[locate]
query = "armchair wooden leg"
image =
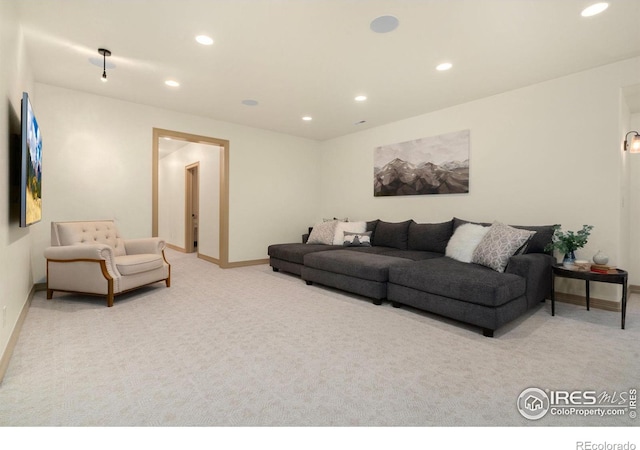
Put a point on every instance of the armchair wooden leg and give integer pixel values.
(168, 282)
(110, 292)
(49, 294)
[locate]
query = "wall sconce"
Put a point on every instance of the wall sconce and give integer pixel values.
(633, 144)
(104, 52)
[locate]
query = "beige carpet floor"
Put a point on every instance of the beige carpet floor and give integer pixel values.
(251, 347)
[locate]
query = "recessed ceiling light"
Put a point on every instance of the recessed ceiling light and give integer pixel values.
(594, 9)
(204, 40)
(307, 118)
(250, 102)
(172, 83)
(444, 66)
(361, 98)
(384, 24)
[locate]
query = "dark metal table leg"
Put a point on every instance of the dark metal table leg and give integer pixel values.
(553, 295)
(587, 295)
(624, 302)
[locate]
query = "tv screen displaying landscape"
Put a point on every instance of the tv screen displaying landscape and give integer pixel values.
(31, 179)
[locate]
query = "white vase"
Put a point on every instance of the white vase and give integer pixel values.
(600, 258)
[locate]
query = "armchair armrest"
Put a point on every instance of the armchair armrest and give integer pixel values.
(144, 245)
(80, 252)
(87, 268)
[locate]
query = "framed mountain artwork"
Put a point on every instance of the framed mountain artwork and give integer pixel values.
(431, 165)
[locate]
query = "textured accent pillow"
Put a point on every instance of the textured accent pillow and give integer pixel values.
(499, 244)
(342, 227)
(394, 235)
(357, 239)
(323, 233)
(464, 241)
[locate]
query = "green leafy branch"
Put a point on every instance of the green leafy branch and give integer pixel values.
(566, 242)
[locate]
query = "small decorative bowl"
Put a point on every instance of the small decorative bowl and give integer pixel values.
(581, 264)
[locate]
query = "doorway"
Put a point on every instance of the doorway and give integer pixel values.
(221, 146)
(192, 206)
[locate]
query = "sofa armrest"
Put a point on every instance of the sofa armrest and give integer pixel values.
(144, 245)
(535, 268)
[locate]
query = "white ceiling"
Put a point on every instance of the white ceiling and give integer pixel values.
(312, 57)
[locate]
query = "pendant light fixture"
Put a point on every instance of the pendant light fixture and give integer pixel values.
(104, 52)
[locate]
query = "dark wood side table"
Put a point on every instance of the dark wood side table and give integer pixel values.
(558, 270)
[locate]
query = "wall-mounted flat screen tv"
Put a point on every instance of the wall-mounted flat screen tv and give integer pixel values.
(31, 166)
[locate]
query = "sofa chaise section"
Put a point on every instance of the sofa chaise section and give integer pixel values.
(466, 292)
(290, 257)
(359, 272)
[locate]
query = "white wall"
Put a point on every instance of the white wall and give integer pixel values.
(171, 197)
(16, 278)
(97, 164)
(549, 153)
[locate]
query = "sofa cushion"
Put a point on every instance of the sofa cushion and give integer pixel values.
(355, 264)
(540, 239)
(372, 250)
(394, 235)
(454, 279)
(430, 237)
(295, 252)
(499, 244)
(371, 226)
(414, 255)
(536, 244)
(464, 241)
(132, 264)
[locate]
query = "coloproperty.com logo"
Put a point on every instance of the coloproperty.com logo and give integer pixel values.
(534, 403)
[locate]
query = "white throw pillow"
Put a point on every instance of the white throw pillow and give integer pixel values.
(351, 227)
(464, 241)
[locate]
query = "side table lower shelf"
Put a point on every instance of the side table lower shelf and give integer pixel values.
(558, 270)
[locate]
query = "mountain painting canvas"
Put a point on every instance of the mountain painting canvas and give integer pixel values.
(432, 165)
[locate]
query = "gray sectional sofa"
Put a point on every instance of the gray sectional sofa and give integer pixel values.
(406, 264)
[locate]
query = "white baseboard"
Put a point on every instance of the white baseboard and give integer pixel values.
(13, 339)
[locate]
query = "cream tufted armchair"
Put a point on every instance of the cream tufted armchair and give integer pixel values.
(92, 258)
